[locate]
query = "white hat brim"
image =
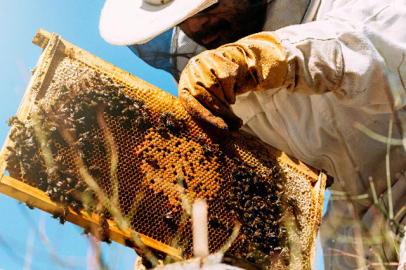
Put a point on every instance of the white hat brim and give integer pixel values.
(127, 22)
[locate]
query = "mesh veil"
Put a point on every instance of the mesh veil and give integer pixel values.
(156, 52)
(172, 50)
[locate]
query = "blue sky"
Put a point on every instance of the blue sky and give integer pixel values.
(30, 238)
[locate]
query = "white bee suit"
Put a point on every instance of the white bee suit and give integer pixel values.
(343, 69)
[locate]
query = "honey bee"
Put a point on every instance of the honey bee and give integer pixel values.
(168, 122)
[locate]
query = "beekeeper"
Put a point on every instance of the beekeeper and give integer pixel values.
(322, 80)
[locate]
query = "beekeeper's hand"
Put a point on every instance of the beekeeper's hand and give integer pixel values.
(212, 79)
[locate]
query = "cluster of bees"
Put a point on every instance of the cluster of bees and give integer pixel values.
(65, 127)
(255, 199)
(69, 128)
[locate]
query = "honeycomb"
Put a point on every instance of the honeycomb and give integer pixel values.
(151, 160)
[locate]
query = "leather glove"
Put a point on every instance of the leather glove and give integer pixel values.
(211, 80)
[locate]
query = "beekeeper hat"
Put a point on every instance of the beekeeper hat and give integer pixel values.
(127, 22)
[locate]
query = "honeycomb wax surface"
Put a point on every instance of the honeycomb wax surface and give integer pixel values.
(144, 151)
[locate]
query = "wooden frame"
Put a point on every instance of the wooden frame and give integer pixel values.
(52, 43)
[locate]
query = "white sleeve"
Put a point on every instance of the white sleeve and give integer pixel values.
(355, 52)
